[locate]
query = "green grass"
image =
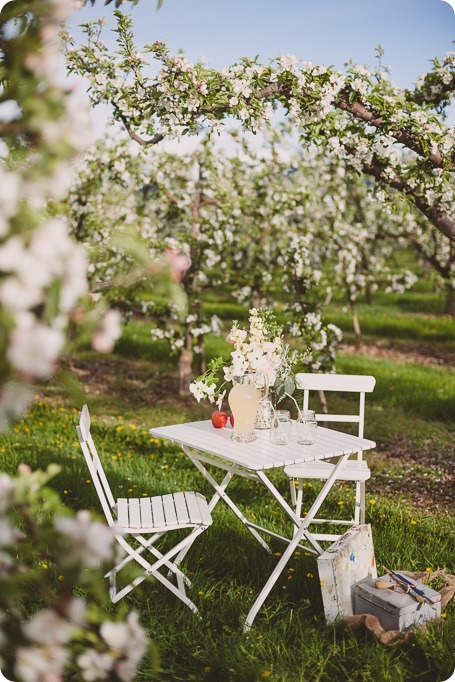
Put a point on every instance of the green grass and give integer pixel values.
(289, 640)
(412, 409)
(416, 315)
(416, 390)
(395, 324)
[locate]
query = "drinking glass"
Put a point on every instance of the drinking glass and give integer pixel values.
(278, 432)
(307, 427)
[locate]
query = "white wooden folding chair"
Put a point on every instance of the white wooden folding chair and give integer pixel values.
(355, 470)
(137, 517)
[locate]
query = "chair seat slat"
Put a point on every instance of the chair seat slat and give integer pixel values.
(146, 512)
(122, 512)
(158, 512)
(181, 508)
(204, 509)
(193, 508)
(170, 514)
(134, 513)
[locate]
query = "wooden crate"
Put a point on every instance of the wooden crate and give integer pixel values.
(350, 559)
(394, 610)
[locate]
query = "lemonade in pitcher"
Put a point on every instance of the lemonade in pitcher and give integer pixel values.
(243, 400)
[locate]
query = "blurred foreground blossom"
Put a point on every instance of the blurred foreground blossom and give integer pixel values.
(14, 398)
(178, 264)
(90, 542)
(110, 330)
(67, 634)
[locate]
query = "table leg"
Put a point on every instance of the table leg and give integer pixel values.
(220, 493)
(290, 512)
(302, 531)
(273, 578)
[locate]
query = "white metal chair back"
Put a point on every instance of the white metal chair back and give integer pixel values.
(95, 467)
(343, 383)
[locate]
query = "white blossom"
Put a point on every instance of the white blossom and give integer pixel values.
(95, 665)
(40, 663)
(111, 329)
(35, 348)
(91, 542)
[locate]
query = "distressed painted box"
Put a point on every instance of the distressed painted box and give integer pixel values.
(348, 560)
(394, 610)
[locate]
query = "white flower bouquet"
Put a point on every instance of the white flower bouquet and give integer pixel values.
(260, 348)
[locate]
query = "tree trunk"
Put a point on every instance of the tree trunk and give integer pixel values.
(323, 401)
(256, 299)
(368, 297)
(328, 298)
(356, 324)
(449, 308)
(185, 366)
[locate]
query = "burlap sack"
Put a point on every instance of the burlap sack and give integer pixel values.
(372, 624)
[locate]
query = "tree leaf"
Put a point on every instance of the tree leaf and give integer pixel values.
(289, 385)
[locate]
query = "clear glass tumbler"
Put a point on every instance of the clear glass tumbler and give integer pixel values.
(285, 420)
(281, 427)
(307, 427)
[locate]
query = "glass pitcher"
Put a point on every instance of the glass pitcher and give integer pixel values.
(243, 400)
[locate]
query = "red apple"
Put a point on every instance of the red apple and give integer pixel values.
(231, 419)
(219, 419)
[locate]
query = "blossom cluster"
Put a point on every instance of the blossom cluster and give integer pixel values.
(42, 271)
(320, 339)
(358, 115)
(260, 349)
(67, 633)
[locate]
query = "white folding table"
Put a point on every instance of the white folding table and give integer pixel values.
(204, 444)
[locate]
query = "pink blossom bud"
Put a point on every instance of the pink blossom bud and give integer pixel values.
(178, 264)
(24, 469)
